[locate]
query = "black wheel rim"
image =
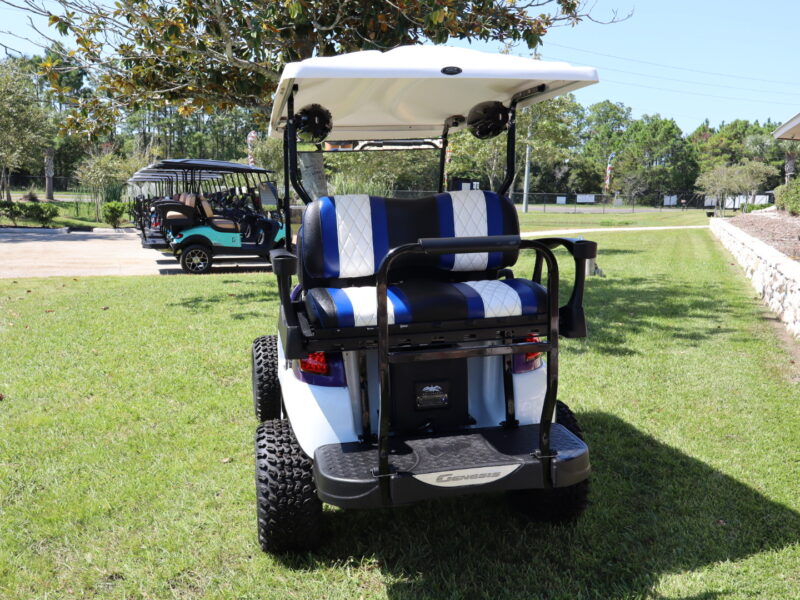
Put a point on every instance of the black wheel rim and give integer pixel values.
(196, 260)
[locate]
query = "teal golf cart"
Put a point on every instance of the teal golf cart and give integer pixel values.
(202, 209)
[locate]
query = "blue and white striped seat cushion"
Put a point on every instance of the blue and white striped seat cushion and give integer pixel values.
(348, 236)
(426, 301)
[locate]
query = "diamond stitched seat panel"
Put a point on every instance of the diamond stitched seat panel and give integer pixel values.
(347, 237)
(426, 301)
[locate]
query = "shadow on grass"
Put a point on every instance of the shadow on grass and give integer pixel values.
(222, 265)
(617, 308)
(239, 269)
(234, 299)
(601, 252)
(655, 511)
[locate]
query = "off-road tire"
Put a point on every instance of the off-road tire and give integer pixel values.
(557, 505)
(289, 510)
(267, 396)
(192, 253)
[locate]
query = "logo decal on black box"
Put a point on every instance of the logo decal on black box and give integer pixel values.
(432, 394)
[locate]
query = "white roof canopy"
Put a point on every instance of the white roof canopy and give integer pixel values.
(789, 130)
(403, 93)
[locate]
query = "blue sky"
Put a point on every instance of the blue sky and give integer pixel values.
(749, 46)
(689, 60)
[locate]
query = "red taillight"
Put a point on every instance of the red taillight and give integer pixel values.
(178, 236)
(316, 363)
(532, 339)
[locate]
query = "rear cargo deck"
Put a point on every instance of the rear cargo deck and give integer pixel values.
(476, 460)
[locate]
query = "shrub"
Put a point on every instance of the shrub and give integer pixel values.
(113, 212)
(43, 213)
(748, 208)
(787, 197)
(12, 210)
(355, 183)
(31, 196)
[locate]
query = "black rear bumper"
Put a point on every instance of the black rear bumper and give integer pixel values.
(466, 462)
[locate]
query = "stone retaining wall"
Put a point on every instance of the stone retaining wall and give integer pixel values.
(773, 274)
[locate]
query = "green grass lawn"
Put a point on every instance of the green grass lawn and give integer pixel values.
(126, 466)
(536, 221)
(70, 214)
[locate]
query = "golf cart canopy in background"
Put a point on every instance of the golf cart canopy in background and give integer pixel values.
(209, 169)
(191, 171)
(151, 175)
(789, 130)
(206, 165)
(411, 91)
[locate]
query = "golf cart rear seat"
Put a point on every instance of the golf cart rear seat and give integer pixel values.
(178, 215)
(215, 222)
(344, 239)
(175, 212)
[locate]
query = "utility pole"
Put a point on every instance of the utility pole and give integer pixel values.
(527, 169)
(527, 177)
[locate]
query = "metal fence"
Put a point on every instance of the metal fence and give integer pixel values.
(576, 203)
(24, 183)
(65, 189)
(571, 202)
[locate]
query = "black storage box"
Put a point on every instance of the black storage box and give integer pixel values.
(429, 395)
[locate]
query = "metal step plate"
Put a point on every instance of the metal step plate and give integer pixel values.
(463, 462)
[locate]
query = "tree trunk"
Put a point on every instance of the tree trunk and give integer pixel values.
(789, 165)
(6, 186)
(312, 169)
(49, 171)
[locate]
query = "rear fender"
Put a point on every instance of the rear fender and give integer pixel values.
(191, 241)
(319, 415)
(213, 237)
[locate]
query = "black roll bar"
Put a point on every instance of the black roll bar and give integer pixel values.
(436, 246)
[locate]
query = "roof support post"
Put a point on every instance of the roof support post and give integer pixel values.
(511, 157)
(291, 139)
(443, 155)
(287, 204)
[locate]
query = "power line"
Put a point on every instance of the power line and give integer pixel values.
(655, 64)
(718, 85)
(651, 87)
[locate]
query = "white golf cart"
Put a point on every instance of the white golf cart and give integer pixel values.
(409, 361)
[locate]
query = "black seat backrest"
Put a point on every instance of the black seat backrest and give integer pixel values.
(343, 239)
